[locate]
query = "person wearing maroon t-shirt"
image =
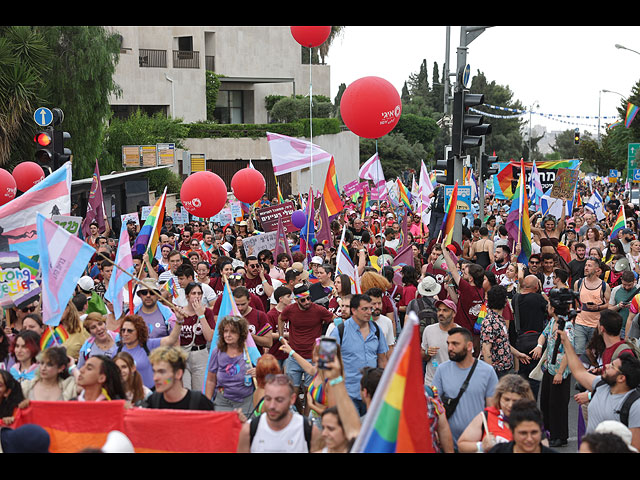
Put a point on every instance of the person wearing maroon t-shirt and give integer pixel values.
(282, 296)
(470, 295)
(306, 320)
(257, 281)
(439, 274)
(259, 326)
(499, 267)
(237, 280)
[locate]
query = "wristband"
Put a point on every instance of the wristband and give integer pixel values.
(336, 381)
(589, 395)
(200, 317)
(539, 345)
(291, 353)
(265, 281)
(479, 447)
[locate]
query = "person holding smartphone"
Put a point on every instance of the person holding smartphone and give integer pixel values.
(595, 295)
(620, 300)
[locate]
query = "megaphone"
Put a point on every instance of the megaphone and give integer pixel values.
(622, 265)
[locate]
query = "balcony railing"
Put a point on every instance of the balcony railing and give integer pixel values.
(152, 58)
(186, 59)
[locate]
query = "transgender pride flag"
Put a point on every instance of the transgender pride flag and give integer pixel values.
(63, 260)
(52, 196)
(119, 279)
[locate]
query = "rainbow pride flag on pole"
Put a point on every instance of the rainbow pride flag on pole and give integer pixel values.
(397, 420)
(619, 224)
(632, 110)
(149, 235)
(332, 191)
(450, 218)
(518, 224)
(366, 206)
(404, 195)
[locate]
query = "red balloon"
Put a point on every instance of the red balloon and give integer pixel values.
(27, 174)
(203, 194)
(248, 185)
(370, 107)
(7, 187)
(310, 36)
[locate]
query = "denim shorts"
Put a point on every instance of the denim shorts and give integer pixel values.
(296, 373)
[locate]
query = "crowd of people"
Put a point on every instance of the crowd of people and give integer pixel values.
(504, 339)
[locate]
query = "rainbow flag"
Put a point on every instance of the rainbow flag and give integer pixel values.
(619, 224)
(332, 191)
(449, 218)
(366, 206)
(397, 420)
(171, 287)
(504, 181)
(149, 235)
(53, 337)
(280, 197)
(631, 113)
(518, 224)
(404, 195)
(477, 327)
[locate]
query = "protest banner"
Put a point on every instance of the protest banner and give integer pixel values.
(70, 224)
(266, 241)
(565, 183)
(18, 284)
(268, 217)
(125, 217)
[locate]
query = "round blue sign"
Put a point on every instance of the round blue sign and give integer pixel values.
(43, 116)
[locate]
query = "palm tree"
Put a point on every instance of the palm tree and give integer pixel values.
(324, 48)
(24, 59)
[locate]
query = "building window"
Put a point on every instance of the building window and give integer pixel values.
(229, 107)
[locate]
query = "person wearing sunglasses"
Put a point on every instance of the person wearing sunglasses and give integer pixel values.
(18, 314)
(236, 280)
(159, 318)
(258, 281)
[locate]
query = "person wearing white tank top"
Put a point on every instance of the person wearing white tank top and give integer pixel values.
(280, 429)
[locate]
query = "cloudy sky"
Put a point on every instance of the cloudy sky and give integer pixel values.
(562, 69)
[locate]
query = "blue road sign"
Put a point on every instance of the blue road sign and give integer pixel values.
(636, 175)
(464, 197)
(613, 173)
(43, 116)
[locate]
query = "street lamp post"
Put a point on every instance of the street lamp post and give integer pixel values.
(599, 97)
(534, 105)
(622, 47)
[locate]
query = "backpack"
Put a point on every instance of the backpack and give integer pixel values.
(306, 422)
(426, 311)
(602, 291)
(626, 405)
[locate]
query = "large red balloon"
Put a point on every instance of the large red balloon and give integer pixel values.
(27, 174)
(7, 187)
(370, 107)
(310, 36)
(248, 185)
(203, 194)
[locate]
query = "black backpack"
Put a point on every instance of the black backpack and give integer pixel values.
(626, 405)
(307, 424)
(426, 311)
(375, 326)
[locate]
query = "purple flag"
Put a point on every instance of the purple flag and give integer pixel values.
(404, 257)
(282, 245)
(323, 231)
(95, 207)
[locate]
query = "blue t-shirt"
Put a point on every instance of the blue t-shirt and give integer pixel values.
(449, 378)
(358, 353)
(143, 365)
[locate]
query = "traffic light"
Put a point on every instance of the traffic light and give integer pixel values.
(447, 167)
(468, 129)
(45, 153)
(487, 167)
(61, 153)
(576, 136)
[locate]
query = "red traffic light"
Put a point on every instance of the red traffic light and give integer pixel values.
(43, 139)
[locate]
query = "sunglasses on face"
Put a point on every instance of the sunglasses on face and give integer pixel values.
(127, 330)
(28, 309)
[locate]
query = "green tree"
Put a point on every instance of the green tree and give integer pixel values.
(80, 83)
(565, 145)
(24, 66)
(396, 153)
(419, 82)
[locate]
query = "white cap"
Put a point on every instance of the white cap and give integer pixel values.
(117, 442)
(317, 260)
(86, 283)
(617, 428)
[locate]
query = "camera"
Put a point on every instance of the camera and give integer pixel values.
(562, 299)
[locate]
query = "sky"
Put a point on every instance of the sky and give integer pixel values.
(562, 69)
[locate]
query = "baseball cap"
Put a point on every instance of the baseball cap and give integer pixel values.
(448, 303)
(299, 267)
(86, 283)
(317, 260)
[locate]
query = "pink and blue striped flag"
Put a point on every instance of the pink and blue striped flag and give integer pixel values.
(63, 260)
(119, 279)
(52, 196)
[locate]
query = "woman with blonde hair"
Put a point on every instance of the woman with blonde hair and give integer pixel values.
(77, 334)
(101, 341)
(491, 425)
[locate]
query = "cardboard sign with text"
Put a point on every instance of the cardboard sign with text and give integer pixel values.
(269, 216)
(565, 183)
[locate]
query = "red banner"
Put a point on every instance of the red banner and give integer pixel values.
(74, 426)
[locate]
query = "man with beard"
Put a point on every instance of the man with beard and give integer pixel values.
(382, 321)
(501, 263)
(462, 368)
(306, 320)
(614, 394)
(434, 338)
(576, 266)
(534, 265)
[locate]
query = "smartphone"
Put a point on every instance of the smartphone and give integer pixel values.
(327, 351)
